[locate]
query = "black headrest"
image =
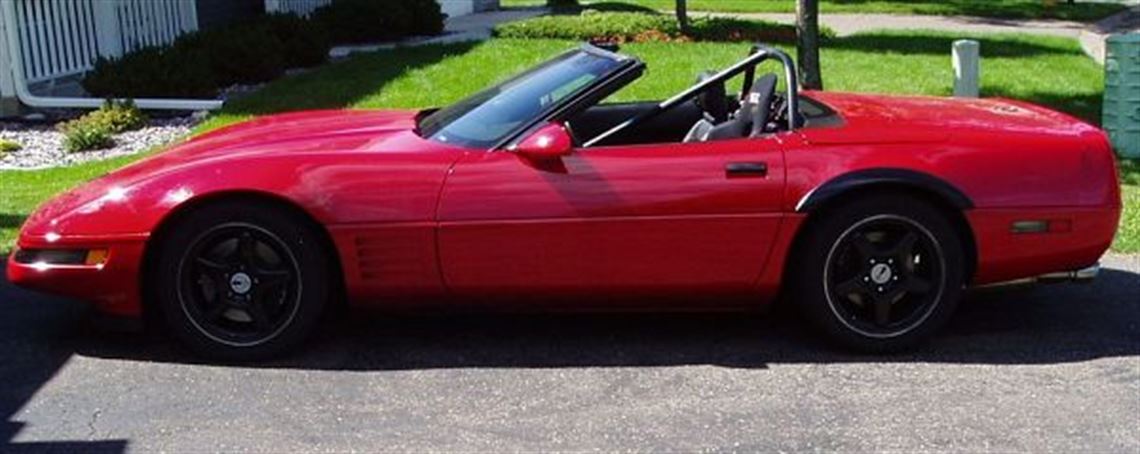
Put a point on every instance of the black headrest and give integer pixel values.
(713, 99)
(759, 102)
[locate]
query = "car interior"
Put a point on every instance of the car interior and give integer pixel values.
(711, 115)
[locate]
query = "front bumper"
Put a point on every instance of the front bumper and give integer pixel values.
(113, 285)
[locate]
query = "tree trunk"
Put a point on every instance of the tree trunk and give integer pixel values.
(807, 48)
(683, 16)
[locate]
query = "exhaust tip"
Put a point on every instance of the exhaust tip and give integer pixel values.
(1083, 275)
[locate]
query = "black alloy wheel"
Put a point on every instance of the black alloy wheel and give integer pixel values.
(879, 273)
(242, 279)
(884, 276)
(238, 284)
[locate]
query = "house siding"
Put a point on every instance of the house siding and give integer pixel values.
(214, 13)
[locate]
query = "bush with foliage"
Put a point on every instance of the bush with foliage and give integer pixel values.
(8, 146)
(118, 116)
(94, 130)
(173, 72)
(638, 27)
(362, 21)
(247, 54)
(81, 135)
(196, 65)
(304, 42)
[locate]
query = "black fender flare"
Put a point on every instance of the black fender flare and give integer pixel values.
(861, 179)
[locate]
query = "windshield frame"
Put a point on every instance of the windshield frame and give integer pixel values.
(619, 76)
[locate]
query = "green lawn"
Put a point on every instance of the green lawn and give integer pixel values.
(1051, 71)
(1010, 9)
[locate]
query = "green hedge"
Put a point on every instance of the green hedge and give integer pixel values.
(197, 65)
(640, 27)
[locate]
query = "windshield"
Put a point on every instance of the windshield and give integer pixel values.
(488, 117)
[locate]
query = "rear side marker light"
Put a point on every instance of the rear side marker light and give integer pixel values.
(1042, 226)
(1030, 227)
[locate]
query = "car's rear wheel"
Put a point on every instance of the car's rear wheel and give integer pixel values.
(237, 281)
(880, 273)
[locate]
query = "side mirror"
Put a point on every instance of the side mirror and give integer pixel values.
(551, 141)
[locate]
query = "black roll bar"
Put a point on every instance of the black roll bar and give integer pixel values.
(757, 55)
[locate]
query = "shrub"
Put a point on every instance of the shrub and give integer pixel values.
(240, 54)
(305, 43)
(153, 73)
(118, 116)
(80, 135)
(562, 3)
(593, 25)
(8, 146)
(589, 25)
(93, 130)
(426, 16)
(362, 21)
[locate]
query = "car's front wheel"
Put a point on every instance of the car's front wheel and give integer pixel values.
(242, 281)
(881, 273)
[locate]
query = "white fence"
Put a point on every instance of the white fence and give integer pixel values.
(300, 7)
(58, 38)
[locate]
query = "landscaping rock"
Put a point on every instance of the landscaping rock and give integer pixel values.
(43, 145)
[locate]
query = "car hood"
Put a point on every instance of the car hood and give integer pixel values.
(323, 131)
(933, 117)
(302, 132)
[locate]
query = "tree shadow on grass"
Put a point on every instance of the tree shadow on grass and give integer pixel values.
(11, 221)
(919, 42)
(1025, 9)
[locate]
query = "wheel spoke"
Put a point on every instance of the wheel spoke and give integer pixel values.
(271, 278)
(904, 250)
(853, 285)
(247, 249)
(882, 309)
(864, 247)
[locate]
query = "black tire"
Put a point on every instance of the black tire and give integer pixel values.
(880, 273)
(240, 280)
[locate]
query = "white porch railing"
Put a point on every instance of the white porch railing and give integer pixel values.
(59, 38)
(56, 38)
(49, 39)
(299, 7)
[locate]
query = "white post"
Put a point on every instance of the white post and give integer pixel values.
(107, 31)
(9, 105)
(967, 68)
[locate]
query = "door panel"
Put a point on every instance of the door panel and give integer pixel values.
(623, 219)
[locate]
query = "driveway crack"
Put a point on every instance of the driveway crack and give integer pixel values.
(91, 431)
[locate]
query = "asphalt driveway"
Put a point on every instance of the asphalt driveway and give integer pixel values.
(1051, 369)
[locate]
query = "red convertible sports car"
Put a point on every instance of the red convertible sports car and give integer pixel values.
(870, 213)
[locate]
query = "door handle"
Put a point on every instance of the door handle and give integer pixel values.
(746, 169)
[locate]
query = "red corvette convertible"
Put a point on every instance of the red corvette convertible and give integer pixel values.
(870, 213)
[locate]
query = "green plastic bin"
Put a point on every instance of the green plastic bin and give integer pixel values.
(1121, 116)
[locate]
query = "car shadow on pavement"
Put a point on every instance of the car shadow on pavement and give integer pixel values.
(1043, 325)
